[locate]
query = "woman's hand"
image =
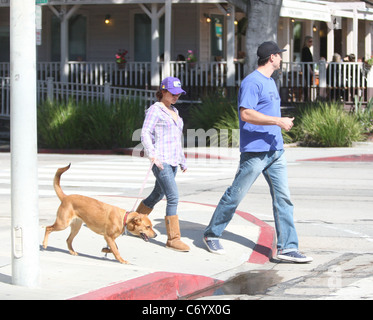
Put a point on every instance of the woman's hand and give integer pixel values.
(157, 163)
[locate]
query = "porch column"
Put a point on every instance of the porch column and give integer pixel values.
(64, 15)
(154, 15)
(230, 47)
(64, 47)
(330, 43)
(155, 46)
(167, 40)
(352, 34)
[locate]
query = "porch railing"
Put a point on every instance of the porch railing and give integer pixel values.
(297, 81)
(4, 97)
(132, 74)
(300, 82)
(78, 92)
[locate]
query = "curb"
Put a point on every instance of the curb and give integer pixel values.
(154, 286)
(127, 152)
(265, 247)
(123, 151)
(173, 286)
(347, 158)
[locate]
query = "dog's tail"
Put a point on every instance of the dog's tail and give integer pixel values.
(56, 182)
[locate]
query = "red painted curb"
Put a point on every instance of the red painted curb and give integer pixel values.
(347, 158)
(265, 247)
(154, 286)
(172, 286)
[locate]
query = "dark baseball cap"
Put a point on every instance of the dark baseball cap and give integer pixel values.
(267, 48)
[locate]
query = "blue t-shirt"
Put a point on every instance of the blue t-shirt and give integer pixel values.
(259, 93)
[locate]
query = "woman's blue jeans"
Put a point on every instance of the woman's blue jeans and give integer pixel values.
(274, 168)
(165, 185)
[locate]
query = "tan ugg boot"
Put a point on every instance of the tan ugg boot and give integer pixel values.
(142, 208)
(173, 233)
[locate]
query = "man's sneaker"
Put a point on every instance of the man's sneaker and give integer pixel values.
(214, 246)
(294, 256)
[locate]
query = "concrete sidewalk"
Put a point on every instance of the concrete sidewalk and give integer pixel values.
(154, 272)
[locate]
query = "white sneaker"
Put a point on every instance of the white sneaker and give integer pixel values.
(294, 256)
(214, 246)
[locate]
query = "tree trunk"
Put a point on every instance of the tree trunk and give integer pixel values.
(262, 20)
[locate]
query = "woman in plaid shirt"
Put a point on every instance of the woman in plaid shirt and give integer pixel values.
(161, 137)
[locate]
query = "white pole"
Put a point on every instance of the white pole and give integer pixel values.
(24, 179)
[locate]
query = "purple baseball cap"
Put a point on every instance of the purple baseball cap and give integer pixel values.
(172, 85)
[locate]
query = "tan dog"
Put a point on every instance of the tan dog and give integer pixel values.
(107, 220)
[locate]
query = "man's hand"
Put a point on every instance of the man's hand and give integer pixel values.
(255, 117)
(286, 123)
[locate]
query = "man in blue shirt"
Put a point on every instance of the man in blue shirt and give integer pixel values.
(261, 146)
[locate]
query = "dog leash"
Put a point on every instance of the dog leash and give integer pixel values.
(137, 199)
(143, 185)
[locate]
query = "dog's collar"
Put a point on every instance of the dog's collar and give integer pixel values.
(125, 218)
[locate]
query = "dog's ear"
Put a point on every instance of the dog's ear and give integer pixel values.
(133, 222)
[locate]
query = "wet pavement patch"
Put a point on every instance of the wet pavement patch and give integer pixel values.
(249, 283)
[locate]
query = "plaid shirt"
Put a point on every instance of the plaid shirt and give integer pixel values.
(161, 136)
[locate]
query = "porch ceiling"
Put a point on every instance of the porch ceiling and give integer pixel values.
(74, 2)
(301, 9)
(308, 10)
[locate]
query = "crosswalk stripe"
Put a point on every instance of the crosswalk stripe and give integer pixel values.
(110, 176)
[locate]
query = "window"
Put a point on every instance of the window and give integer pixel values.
(217, 32)
(143, 37)
(4, 44)
(77, 38)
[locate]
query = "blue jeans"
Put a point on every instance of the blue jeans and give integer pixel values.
(273, 166)
(165, 185)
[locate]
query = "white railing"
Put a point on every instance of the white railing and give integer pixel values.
(204, 74)
(328, 81)
(132, 74)
(5, 97)
(301, 81)
(64, 91)
(67, 91)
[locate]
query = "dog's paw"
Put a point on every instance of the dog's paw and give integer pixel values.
(123, 261)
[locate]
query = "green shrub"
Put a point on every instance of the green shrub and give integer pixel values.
(364, 115)
(229, 120)
(210, 111)
(328, 125)
(88, 125)
(59, 125)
